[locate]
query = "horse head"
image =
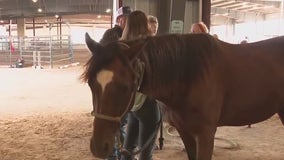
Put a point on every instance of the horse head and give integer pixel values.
(112, 76)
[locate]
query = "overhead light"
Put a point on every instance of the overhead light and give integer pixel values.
(1, 21)
(99, 16)
(56, 16)
(34, 1)
(108, 10)
(39, 10)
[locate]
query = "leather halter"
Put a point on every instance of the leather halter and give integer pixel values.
(115, 118)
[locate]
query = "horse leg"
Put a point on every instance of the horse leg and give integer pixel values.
(281, 115)
(199, 147)
(189, 144)
(205, 143)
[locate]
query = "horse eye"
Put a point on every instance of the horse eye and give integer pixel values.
(89, 83)
(92, 85)
(95, 105)
(96, 97)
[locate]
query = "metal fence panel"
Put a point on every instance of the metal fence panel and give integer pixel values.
(36, 51)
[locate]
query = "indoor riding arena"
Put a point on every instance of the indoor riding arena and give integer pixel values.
(45, 108)
(45, 114)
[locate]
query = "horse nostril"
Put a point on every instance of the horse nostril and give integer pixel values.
(101, 149)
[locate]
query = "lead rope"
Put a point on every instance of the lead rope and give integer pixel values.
(161, 139)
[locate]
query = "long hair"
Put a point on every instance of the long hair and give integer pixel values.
(136, 26)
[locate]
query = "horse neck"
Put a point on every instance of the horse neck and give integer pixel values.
(150, 84)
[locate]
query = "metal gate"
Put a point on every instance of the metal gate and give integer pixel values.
(36, 51)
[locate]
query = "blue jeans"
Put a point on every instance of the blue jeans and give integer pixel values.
(142, 125)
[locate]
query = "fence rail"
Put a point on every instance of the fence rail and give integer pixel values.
(36, 51)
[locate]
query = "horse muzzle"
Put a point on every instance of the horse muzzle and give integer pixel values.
(102, 148)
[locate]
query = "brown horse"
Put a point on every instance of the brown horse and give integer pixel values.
(204, 82)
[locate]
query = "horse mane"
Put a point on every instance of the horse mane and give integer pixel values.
(169, 59)
(177, 58)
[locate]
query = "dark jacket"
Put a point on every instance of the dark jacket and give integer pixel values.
(111, 35)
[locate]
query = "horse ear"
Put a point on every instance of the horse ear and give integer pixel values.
(93, 46)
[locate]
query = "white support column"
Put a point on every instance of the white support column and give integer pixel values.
(114, 8)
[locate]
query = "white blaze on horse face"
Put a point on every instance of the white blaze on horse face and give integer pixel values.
(104, 77)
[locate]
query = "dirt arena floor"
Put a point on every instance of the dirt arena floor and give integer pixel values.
(45, 115)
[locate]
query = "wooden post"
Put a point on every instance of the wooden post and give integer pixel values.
(206, 11)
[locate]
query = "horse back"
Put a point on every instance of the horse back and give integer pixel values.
(253, 81)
